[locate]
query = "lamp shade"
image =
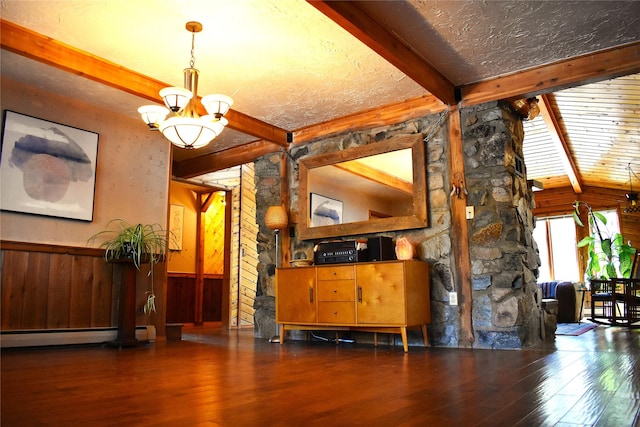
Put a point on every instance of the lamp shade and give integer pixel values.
(153, 115)
(217, 105)
(187, 132)
(276, 217)
(176, 98)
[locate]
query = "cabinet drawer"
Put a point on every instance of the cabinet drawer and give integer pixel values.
(336, 273)
(336, 290)
(336, 312)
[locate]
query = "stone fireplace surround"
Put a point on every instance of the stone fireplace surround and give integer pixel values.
(506, 306)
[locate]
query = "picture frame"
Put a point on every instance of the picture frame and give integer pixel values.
(176, 226)
(47, 168)
(324, 210)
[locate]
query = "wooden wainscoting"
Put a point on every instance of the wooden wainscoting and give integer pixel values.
(181, 298)
(48, 287)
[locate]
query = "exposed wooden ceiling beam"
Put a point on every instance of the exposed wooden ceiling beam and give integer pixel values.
(607, 64)
(350, 16)
(557, 137)
(223, 159)
(375, 175)
(389, 114)
(30, 44)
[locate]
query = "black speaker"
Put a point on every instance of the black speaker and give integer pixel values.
(380, 249)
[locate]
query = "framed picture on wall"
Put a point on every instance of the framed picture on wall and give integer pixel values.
(325, 210)
(176, 226)
(47, 168)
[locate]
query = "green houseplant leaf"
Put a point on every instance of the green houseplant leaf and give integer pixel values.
(140, 243)
(609, 256)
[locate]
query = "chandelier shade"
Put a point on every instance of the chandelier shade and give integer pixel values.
(185, 128)
(632, 205)
(153, 115)
(217, 105)
(191, 133)
(175, 98)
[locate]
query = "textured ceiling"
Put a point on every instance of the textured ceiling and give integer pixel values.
(287, 64)
(277, 59)
(470, 41)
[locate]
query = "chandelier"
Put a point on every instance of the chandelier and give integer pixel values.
(633, 205)
(185, 128)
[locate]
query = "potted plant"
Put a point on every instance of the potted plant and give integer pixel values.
(609, 255)
(139, 243)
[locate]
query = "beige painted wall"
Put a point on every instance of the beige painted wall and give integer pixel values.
(132, 177)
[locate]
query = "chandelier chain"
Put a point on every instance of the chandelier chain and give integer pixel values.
(434, 128)
(631, 172)
(192, 63)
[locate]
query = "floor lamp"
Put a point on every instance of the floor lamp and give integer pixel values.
(276, 219)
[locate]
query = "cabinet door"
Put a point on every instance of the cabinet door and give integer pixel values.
(380, 294)
(296, 295)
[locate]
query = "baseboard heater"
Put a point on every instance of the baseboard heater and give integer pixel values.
(48, 337)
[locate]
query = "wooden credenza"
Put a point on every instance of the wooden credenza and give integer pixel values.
(385, 296)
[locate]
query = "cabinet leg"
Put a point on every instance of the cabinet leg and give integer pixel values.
(283, 333)
(375, 339)
(403, 332)
(425, 337)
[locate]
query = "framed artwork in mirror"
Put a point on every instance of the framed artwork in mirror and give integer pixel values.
(47, 168)
(324, 211)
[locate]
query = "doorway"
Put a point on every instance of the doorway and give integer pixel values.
(212, 277)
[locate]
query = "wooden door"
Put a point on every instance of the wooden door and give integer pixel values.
(296, 295)
(380, 293)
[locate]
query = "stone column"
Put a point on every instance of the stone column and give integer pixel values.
(504, 256)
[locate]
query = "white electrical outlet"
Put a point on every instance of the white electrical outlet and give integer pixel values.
(470, 212)
(453, 298)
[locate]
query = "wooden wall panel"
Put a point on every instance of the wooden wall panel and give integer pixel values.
(34, 311)
(80, 287)
(53, 287)
(102, 313)
(59, 291)
(15, 266)
(248, 263)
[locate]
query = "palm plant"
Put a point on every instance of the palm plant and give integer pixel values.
(609, 255)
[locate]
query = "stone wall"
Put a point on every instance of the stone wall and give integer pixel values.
(506, 313)
(504, 257)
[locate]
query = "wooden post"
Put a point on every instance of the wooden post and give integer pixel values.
(200, 245)
(285, 239)
(462, 274)
(226, 280)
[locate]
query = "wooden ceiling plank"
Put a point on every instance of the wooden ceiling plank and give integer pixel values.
(557, 137)
(38, 47)
(607, 64)
(350, 16)
(224, 159)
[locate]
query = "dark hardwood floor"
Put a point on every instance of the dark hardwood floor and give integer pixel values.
(220, 378)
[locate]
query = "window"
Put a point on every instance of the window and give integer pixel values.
(557, 245)
(556, 239)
